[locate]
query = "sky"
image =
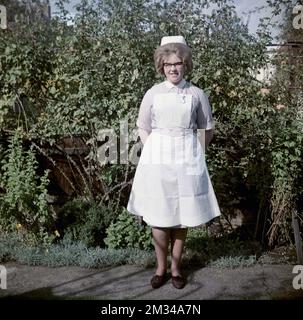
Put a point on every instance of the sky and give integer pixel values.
(243, 7)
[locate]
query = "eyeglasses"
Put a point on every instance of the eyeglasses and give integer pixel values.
(170, 65)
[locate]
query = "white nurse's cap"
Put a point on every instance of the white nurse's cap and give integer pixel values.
(172, 39)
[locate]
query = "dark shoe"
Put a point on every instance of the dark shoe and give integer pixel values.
(157, 281)
(178, 282)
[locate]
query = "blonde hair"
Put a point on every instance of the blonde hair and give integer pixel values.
(181, 50)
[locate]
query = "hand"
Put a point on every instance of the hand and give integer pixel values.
(140, 221)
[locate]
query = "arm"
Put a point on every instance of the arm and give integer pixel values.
(209, 134)
(144, 117)
(205, 123)
(143, 134)
(205, 136)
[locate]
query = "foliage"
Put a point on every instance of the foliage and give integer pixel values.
(126, 233)
(66, 79)
(66, 253)
(233, 262)
(203, 248)
(23, 205)
(85, 221)
(286, 152)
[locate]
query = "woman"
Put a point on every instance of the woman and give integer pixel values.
(171, 189)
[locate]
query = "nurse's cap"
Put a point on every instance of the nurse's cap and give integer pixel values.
(173, 39)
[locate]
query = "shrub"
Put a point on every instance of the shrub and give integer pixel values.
(226, 250)
(86, 221)
(23, 204)
(126, 233)
(234, 262)
(57, 79)
(66, 253)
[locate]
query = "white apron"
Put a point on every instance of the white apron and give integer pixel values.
(171, 186)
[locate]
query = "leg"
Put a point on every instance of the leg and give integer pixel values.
(161, 240)
(178, 237)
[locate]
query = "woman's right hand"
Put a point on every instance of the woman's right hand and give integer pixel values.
(143, 135)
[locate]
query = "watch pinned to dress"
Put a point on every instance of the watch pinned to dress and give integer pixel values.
(183, 97)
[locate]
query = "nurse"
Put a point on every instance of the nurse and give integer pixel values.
(172, 189)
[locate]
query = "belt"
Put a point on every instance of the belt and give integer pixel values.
(174, 131)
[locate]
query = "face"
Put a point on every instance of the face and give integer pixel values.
(173, 68)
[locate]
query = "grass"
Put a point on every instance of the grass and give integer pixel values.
(70, 254)
(224, 251)
(201, 249)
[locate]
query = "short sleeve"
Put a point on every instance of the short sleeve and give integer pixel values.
(144, 118)
(204, 113)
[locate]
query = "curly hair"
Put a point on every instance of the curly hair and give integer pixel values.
(181, 50)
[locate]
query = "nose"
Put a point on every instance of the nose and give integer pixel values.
(173, 69)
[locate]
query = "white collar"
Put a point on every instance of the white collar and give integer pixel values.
(180, 85)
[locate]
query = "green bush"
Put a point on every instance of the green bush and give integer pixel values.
(74, 80)
(86, 221)
(234, 262)
(66, 253)
(227, 250)
(23, 204)
(126, 233)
